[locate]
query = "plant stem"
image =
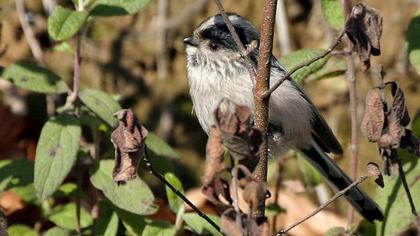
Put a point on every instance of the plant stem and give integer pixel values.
(72, 98)
(262, 103)
(351, 80)
(407, 191)
(156, 173)
(323, 206)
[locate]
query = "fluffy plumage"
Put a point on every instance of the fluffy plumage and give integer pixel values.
(216, 72)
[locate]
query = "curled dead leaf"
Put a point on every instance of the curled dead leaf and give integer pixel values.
(374, 117)
(364, 29)
(399, 106)
(254, 193)
(237, 224)
(392, 133)
(128, 139)
(374, 171)
(214, 156)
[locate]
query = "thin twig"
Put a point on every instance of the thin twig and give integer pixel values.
(157, 174)
(407, 191)
(304, 64)
(262, 103)
(29, 34)
(72, 98)
(351, 79)
(241, 47)
(323, 206)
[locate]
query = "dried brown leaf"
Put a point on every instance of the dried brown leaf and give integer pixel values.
(237, 224)
(392, 134)
(214, 156)
(399, 106)
(374, 117)
(364, 29)
(254, 193)
(374, 171)
(128, 139)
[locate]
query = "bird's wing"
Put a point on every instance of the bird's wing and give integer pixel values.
(321, 132)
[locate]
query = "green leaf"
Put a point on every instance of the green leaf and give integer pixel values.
(117, 7)
(27, 193)
(65, 216)
(333, 13)
(311, 175)
(175, 202)
(66, 190)
(159, 228)
(56, 153)
(295, 58)
(63, 47)
(57, 231)
(134, 196)
(101, 104)
(15, 173)
(160, 147)
(199, 225)
(413, 42)
(394, 202)
(64, 23)
(134, 224)
(21, 230)
(107, 224)
(34, 78)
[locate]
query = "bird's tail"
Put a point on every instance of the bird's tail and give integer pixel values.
(336, 176)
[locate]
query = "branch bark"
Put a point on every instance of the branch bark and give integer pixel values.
(351, 80)
(262, 102)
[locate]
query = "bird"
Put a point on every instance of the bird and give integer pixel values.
(216, 72)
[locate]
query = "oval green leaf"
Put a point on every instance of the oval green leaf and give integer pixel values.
(295, 58)
(107, 224)
(160, 147)
(34, 78)
(159, 228)
(333, 13)
(175, 202)
(134, 196)
(102, 104)
(413, 42)
(64, 23)
(65, 216)
(117, 7)
(56, 153)
(21, 230)
(199, 225)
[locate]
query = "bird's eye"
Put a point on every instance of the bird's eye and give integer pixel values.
(213, 46)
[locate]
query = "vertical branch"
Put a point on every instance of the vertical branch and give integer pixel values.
(262, 85)
(351, 80)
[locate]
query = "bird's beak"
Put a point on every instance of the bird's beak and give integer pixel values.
(190, 41)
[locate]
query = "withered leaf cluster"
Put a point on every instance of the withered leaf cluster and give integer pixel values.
(233, 147)
(364, 29)
(128, 139)
(387, 126)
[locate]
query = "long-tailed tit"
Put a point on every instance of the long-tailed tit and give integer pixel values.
(216, 72)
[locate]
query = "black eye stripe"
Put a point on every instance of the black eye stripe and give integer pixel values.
(220, 33)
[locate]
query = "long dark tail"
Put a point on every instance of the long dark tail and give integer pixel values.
(336, 176)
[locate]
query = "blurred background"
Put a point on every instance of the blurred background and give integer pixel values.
(141, 60)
